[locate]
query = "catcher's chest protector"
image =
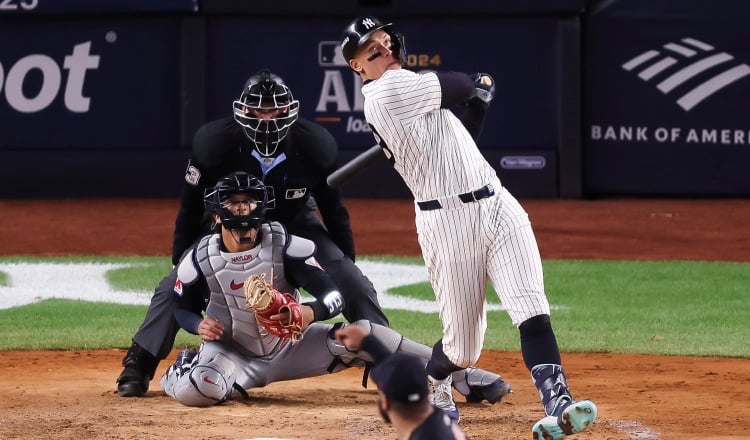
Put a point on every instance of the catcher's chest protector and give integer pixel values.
(225, 274)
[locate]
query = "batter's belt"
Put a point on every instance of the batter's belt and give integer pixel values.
(469, 197)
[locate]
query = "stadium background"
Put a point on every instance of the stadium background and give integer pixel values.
(113, 90)
(85, 138)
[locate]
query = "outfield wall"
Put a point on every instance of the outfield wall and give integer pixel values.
(101, 97)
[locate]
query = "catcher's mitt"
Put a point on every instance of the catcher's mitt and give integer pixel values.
(265, 301)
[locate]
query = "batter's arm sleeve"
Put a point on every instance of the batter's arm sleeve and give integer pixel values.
(473, 117)
(311, 277)
(455, 87)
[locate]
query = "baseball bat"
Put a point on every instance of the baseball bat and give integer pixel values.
(354, 166)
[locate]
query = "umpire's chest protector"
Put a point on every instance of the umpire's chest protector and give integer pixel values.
(225, 274)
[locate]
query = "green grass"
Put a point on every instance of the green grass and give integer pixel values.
(672, 307)
(61, 324)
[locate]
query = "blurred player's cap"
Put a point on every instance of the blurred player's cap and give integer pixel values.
(402, 378)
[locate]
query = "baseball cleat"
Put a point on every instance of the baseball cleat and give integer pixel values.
(574, 418)
(442, 396)
(130, 386)
(184, 360)
(139, 369)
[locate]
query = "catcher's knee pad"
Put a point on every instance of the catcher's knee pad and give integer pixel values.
(208, 383)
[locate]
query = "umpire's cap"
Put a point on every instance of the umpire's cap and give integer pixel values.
(358, 32)
(402, 378)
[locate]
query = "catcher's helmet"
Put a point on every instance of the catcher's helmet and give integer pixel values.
(361, 29)
(239, 182)
(266, 91)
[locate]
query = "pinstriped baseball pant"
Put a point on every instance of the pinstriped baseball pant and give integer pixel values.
(464, 245)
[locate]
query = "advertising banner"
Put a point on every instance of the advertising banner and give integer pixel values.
(90, 84)
(90, 107)
(393, 8)
(94, 6)
(522, 54)
(666, 91)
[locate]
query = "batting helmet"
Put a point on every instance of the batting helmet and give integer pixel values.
(216, 198)
(264, 92)
(361, 29)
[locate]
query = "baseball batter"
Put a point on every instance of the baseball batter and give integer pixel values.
(237, 352)
(470, 227)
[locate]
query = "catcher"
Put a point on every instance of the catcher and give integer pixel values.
(255, 330)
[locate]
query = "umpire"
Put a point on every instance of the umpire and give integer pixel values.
(265, 137)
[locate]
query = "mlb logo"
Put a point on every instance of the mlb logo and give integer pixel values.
(295, 193)
(329, 54)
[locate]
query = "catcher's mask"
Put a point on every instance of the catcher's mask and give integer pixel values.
(266, 110)
(361, 29)
(217, 200)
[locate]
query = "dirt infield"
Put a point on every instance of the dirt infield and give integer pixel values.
(71, 395)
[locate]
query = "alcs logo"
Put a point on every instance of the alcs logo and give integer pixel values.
(77, 63)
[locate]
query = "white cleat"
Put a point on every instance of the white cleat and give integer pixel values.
(442, 396)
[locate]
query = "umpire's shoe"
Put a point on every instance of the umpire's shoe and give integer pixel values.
(140, 367)
(570, 418)
(478, 385)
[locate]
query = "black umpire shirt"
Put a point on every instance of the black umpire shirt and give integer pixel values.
(310, 154)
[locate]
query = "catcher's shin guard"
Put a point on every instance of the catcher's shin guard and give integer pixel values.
(140, 367)
(207, 383)
(478, 385)
(473, 383)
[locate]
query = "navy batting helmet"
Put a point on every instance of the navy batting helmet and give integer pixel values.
(361, 29)
(216, 200)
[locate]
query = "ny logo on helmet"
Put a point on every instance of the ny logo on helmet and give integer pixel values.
(368, 23)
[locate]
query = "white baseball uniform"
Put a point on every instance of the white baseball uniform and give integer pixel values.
(470, 228)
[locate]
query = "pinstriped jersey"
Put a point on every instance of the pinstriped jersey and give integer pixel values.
(428, 145)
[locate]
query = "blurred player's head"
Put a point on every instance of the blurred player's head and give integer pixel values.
(239, 202)
(371, 47)
(402, 386)
(266, 110)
